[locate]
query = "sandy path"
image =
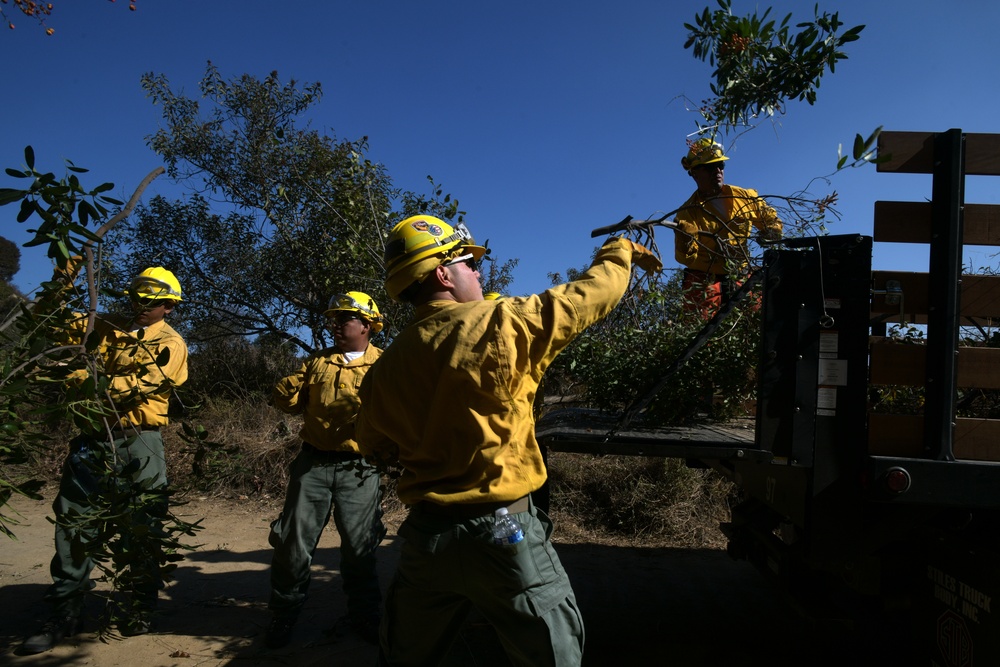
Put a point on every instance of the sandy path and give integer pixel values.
(642, 606)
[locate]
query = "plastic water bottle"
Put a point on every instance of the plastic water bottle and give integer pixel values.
(506, 529)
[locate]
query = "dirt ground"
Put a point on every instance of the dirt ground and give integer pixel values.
(641, 606)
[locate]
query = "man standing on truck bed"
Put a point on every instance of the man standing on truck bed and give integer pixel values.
(330, 473)
(450, 401)
(713, 226)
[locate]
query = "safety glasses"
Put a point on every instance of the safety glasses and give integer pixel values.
(464, 259)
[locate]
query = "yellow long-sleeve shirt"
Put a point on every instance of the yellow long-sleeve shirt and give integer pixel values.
(325, 391)
(728, 218)
(139, 365)
(451, 398)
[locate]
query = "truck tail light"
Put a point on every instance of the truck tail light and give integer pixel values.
(897, 480)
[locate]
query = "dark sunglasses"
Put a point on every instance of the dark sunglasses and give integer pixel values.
(343, 317)
(464, 259)
(148, 303)
(721, 166)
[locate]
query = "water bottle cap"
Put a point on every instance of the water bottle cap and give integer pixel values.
(502, 511)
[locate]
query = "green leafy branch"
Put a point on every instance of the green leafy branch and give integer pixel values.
(760, 64)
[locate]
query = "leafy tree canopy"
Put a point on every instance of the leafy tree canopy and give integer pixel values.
(279, 217)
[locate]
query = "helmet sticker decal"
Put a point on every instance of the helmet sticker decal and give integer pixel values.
(435, 230)
(419, 225)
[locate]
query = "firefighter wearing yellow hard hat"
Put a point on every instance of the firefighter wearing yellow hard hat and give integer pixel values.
(450, 402)
(418, 245)
(143, 360)
(356, 302)
(328, 474)
(713, 227)
(156, 283)
(703, 151)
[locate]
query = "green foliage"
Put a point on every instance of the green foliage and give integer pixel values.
(862, 152)
(65, 207)
(621, 358)
(760, 64)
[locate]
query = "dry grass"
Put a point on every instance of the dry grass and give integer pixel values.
(638, 500)
(602, 499)
(249, 447)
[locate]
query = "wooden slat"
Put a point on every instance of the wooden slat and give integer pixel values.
(910, 222)
(980, 295)
(897, 363)
(903, 364)
(902, 435)
(895, 435)
(914, 287)
(913, 153)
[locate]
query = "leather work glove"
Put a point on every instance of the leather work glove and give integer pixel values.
(644, 258)
(686, 227)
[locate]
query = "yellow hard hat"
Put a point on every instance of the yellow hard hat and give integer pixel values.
(418, 245)
(703, 151)
(155, 283)
(492, 296)
(360, 303)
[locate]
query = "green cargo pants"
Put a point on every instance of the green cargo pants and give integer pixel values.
(319, 481)
(448, 566)
(142, 452)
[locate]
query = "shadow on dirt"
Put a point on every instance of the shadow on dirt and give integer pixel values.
(641, 606)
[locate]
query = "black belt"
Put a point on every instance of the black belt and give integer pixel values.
(330, 455)
(472, 510)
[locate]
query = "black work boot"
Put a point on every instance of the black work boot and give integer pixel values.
(366, 626)
(54, 631)
(280, 631)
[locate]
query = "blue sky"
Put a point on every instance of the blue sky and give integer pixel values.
(546, 120)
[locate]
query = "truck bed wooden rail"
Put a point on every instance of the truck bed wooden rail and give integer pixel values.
(903, 296)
